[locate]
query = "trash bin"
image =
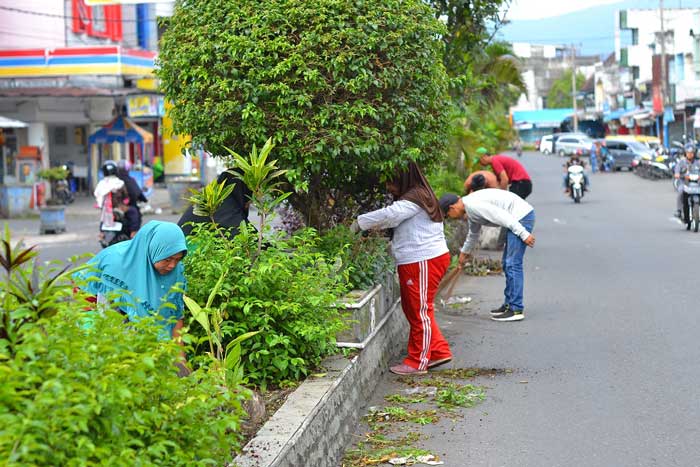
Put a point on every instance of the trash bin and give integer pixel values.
(178, 189)
(52, 219)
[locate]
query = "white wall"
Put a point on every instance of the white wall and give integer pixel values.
(27, 31)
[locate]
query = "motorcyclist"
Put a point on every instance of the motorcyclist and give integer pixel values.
(575, 159)
(132, 188)
(681, 171)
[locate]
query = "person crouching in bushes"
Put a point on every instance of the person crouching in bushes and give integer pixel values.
(139, 276)
(422, 257)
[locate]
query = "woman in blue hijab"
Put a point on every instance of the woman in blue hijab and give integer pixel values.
(138, 275)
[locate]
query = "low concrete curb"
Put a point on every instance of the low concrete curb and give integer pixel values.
(313, 426)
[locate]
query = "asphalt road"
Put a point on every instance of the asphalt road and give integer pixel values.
(604, 369)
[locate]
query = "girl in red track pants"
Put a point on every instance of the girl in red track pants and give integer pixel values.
(419, 283)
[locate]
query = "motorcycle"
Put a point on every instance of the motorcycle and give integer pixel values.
(63, 193)
(576, 182)
(113, 226)
(692, 188)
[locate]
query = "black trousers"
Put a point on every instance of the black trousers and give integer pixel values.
(686, 208)
(522, 188)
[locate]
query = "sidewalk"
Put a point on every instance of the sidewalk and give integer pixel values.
(82, 220)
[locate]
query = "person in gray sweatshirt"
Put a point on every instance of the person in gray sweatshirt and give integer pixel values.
(500, 208)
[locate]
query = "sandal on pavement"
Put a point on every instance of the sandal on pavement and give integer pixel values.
(405, 370)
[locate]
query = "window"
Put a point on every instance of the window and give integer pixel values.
(635, 72)
(635, 36)
(567, 140)
(99, 22)
(60, 136)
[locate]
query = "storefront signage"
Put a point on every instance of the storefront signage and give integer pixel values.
(145, 106)
(118, 2)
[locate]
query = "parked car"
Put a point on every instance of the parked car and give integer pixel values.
(570, 144)
(548, 142)
(625, 152)
(652, 142)
(545, 146)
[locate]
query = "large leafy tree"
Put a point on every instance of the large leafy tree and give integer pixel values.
(471, 25)
(348, 90)
(485, 74)
(559, 95)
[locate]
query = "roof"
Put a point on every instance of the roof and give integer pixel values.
(10, 123)
(541, 118)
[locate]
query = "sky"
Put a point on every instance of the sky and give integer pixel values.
(536, 9)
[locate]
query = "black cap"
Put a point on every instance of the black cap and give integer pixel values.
(447, 200)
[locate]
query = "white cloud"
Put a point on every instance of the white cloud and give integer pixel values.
(538, 9)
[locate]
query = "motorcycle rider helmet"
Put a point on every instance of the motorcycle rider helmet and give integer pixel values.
(109, 168)
(690, 148)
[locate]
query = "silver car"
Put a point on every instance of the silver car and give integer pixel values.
(571, 144)
(624, 152)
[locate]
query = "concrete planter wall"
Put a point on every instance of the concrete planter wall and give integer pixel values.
(15, 200)
(365, 309)
(314, 426)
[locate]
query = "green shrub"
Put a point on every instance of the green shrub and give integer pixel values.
(443, 180)
(347, 90)
(366, 259)
(109, 396)
(82, 388)
(288, 293)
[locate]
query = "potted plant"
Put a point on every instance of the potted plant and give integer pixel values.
(52, 216)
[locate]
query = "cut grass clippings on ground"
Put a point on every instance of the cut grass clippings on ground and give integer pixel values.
(425, 401)
(483, 267)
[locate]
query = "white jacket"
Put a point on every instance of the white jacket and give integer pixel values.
(416, 236)
(494, 207)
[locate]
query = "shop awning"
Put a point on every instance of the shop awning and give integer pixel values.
(121, 130)
(637, 114)
(614, 114)
(10, 123)
(545, 118)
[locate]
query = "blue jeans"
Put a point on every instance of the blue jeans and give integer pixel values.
(513, 264)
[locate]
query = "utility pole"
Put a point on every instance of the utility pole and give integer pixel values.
(664, 90)
(573, 86)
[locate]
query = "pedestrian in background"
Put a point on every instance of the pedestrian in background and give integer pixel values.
(595, 153)
(511, 174)
(497, 208)
(422, 258)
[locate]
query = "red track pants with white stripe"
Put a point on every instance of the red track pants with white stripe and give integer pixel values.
(419, 283)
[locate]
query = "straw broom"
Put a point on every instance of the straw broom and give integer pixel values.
(448, 282)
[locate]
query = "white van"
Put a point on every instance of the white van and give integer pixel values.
(546, 144)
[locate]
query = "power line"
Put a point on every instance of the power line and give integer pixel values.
(51, 15)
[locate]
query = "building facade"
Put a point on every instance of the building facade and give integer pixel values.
(68, 67)
(641, 30)
(541, 66)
